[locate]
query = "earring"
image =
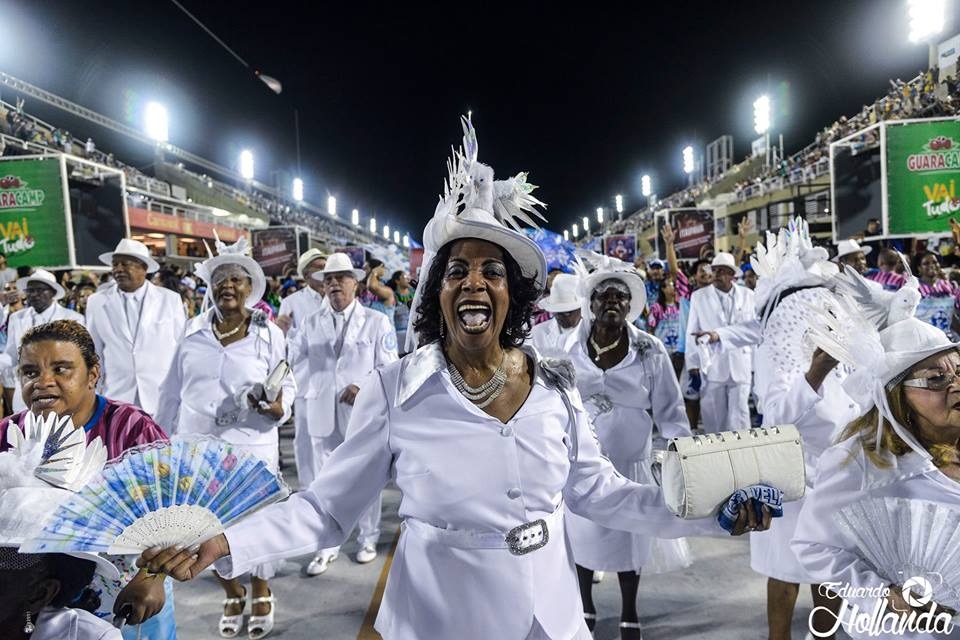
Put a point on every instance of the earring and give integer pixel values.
(509, 331)
(443, 328)
(28, 628)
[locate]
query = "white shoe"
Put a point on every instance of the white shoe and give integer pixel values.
(367, 553)
(261, 626)
(320, 563)
(597, 577)
(230, 626)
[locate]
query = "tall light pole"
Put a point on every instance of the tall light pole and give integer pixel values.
(576, 231)
(646, 188)
(586, 224)
(566, 235)
(373, 226)
(927, 18)
(156, 122)
(246, 164)
(600, 215)
(332, 206)
(396, 237)
(688, 163)
(762, 122)
(298, 189)
(386, 232)
(355, 217)
(618, 203)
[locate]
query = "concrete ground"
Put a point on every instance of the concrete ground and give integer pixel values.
(718, 598)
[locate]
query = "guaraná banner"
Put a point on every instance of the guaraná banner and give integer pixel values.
(33, 231)
(693, 231)
(923, 169)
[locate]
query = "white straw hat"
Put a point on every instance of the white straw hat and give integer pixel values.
(235, 253)
(308, 256)
(133, 249)
(846, 247)
(45, 277)
(609, 268)
(724, 259)
(563, 296)
(339, 263)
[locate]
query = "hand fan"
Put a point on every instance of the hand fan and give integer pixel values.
(182, 492)
(904, 538)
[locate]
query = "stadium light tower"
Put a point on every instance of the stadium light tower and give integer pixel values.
(600, 215)
(618, 201)
(586, 224)
(373, 226)
(645, 187)
(927, 19)
(386, 232)
(576, 231)
(298, 189)
(396, 237)
(406, 240)
(761, 114)
(246, 164)
(355, 217)
(566, 235)
(332, 206)
(156, 121)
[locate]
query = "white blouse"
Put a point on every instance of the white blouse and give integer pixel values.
(465, 472)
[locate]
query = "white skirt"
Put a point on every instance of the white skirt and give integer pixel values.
(270, 454)
(770, 552)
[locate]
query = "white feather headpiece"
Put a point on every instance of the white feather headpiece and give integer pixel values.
(593, 268)
(55, 451)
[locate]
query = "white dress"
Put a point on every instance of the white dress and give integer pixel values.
(467, 479)
(201, 392)
(619, 402)
(846, 475)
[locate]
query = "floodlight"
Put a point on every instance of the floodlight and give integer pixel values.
(386, 232)
(396, 237)
(566, 235)
(586, 224)
(156, 121)
(688, 159)
(619, 203)
(576, 230)
(246, 164)
(926, 18)
(645, 187)
(332, 205)
(761, 114)
(406, 240)
(298, 189)
(355, 217)
(600, 215)
(373, 225)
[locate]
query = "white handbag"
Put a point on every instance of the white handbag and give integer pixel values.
(700, 473)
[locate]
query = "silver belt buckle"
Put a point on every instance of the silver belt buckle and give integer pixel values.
(528, 537)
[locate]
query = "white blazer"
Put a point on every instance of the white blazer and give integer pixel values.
(550, 340)
(369, 343)
(205, 389)
(706, 314)
(300, 306)
(467, 479)
(21, 322)
(134, 366)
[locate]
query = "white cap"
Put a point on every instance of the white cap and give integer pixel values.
(133, 249)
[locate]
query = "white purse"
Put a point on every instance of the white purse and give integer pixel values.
(699, 473)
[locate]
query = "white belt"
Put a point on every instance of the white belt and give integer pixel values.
(520, 540)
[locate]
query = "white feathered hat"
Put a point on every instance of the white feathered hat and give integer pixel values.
(474, 205)
(875, 332)
(237, 253)
(593, 268)
(47, 459)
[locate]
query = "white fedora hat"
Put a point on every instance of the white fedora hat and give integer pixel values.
(133, 249)
(846, 247)
(609, 268)
(724, 259)
(339, 263)
(308, 256)
(45, 277)
(563, 296)
(235, 253)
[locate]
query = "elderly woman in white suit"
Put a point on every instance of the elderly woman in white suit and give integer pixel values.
(488, 444)
(558, 335)
(216, 386)
(627, 383)
(332, 353)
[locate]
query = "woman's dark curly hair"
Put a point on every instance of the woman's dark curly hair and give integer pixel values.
(62, 331)
(524, 294)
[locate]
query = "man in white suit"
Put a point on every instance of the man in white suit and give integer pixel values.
(136, 326)
(297, 307)
(331, 354)
(725, 377)
(558, 335)
(42, 291)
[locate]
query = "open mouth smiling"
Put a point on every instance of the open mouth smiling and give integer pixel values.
(474, 317)
(42, 401)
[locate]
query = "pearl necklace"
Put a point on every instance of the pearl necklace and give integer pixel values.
(221, 336)
(485, 393)
(599, 351)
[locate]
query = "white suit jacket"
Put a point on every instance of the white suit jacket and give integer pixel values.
(369, 342)
(300, 306)
(135, 366)
(549, 339)
(706, 314)
(21, 322)
(459, 468)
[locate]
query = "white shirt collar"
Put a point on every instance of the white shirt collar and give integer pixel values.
(137, 294)
(46, 315)
(346, 311)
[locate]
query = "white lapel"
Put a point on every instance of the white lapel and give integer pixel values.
(356, 323)
(117, 315)
(151, 304)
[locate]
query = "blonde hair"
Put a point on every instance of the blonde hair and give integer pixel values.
(865, 427)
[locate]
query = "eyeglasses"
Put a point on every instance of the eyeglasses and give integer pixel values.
(937, 382)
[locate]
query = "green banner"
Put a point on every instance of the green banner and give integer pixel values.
(32, 222)
(923, 172)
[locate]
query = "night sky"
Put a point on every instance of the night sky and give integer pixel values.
(585, 100)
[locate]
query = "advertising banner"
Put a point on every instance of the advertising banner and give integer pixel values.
(923, 172)
(154, 221)
(275, 249)
(621, 247)
(416, 261)
(559, 253)
(693, 232)
(33, 230)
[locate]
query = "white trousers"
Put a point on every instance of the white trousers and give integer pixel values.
(724, 406)
(310, 453)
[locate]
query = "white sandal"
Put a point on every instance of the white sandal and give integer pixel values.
(230, 626)
(630, 625)
(261, 626)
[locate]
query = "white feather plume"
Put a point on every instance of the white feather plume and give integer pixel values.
(839, 327)
(66, 460)
(882, 308)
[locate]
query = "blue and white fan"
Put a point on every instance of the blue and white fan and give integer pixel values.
(184, 492)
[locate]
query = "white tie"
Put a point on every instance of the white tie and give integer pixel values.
(133, 313)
